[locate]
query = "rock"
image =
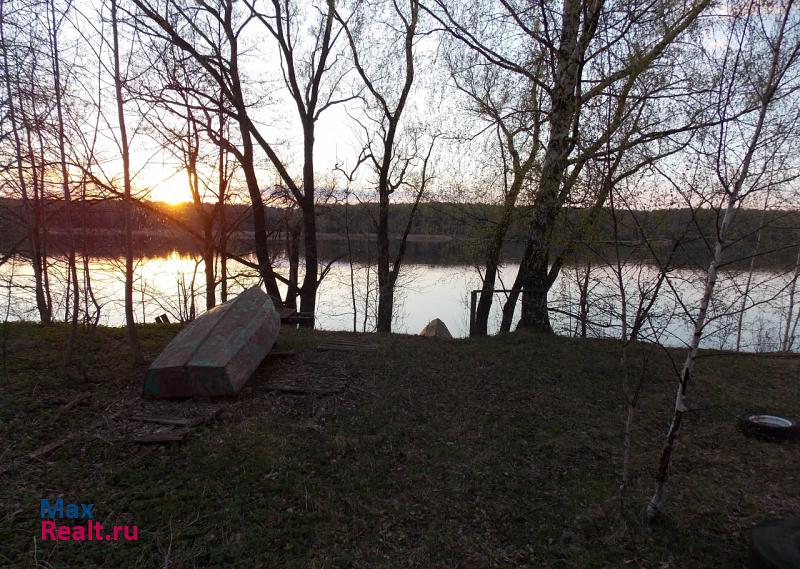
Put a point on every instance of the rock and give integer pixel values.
(436, 329)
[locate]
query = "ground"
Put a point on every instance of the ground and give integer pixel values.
(499, 452)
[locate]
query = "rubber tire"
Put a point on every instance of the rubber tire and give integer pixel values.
(767, 432)
(775, 544)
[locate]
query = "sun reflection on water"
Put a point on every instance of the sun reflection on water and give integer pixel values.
(174, 284)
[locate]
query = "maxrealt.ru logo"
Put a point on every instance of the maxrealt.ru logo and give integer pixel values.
(74, 512)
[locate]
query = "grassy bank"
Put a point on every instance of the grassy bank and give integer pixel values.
(501, 452)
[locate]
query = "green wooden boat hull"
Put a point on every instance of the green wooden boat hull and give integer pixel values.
(217, 352)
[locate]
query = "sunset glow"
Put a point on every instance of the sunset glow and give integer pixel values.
(400, 283)
(173, 189)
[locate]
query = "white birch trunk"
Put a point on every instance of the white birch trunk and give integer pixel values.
(788, 332)
(654, 506)
(734, 191)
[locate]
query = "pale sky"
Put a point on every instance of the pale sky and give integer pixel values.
(337, 137)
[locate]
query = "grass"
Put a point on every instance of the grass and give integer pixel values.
(500, 452)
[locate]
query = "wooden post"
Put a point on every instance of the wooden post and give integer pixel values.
(473, 302)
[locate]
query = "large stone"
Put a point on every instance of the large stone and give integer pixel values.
(436, 329)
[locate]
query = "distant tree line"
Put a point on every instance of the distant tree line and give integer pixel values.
(776, 230)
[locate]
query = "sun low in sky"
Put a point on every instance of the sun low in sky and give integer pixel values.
(172, 189)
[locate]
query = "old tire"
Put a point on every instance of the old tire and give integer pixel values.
(769, 426)
(775, 544)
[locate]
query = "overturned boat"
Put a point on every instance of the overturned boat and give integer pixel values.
(217, 352)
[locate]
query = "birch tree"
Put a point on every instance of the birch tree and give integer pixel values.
(757, 70)
(590, 56)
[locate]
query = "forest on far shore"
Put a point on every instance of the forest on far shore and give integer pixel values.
(177, 226)
(435, 222)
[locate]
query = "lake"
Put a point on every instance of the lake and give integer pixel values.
(426, 291)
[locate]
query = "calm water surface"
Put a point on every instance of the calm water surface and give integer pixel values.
(164, 285)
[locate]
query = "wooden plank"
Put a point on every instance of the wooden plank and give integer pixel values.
(287, 386)
(300, 318)
(161, 437)
(291, 316)
(47, 449)
(177, 421)
(281, 354)
(345, 347)
(285, 313)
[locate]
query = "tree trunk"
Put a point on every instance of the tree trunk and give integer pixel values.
(294, 230)
(749, 282)
(493, 258)
(62, 155)
(308, 292)
(385, 308)
(259, 223)
(788, 331)
(221, 199)
(133, 336)
(246, 160)
(654, 506)
(208, 262)
(387, 269)
(40, 204)
(583, 300)
(385, 292)
(623, 297)
(563, 117)
(350, 262)
(513, 297)
(535, 286)
(30, 218)
(223, 267)
(223, 255)
(733, 193)
(35, 216)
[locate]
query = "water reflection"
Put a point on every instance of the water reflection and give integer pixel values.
(173, 284)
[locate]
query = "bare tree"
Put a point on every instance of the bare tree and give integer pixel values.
(33, 206)
(749, 281)
(309, 65)
(576, 41)
(209, 34)
(53, 29)
(130, 321)
(511, 104)
(179, 131)
(305, 76)
(766, 42)
(790, 326)
(393, 149)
